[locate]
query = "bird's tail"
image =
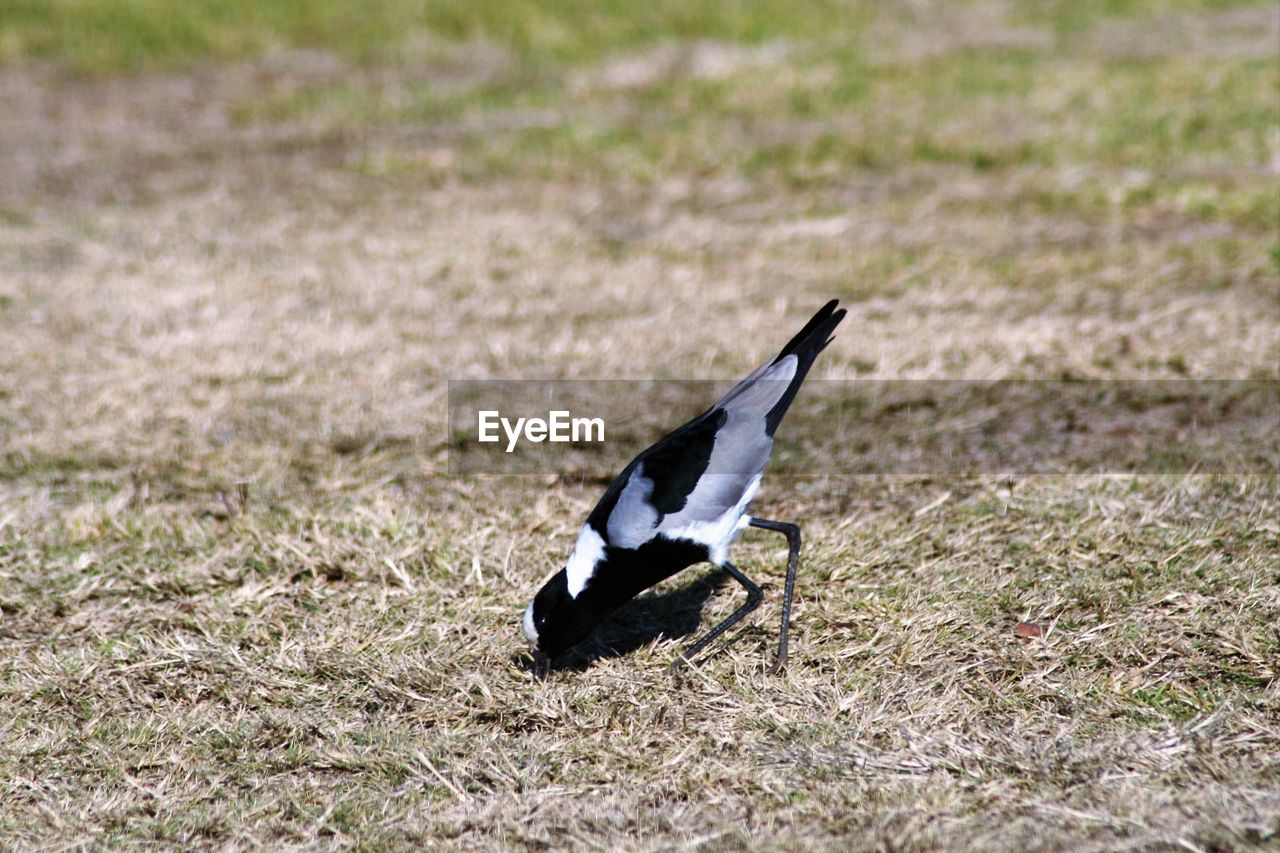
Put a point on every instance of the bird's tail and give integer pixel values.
(769, 390)
(806, 345)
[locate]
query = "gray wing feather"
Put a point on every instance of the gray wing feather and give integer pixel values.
(742, 445)
(633, 520)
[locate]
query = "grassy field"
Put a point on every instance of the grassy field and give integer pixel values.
(242, 248)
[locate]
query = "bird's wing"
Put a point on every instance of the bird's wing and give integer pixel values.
(740, 448)
(657, 482)
(701, 471)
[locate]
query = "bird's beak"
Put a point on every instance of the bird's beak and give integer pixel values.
(541, 663)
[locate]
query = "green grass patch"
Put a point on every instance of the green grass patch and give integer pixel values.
(105, 36)
(1166, 132)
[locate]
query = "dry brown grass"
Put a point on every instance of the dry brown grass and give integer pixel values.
(241, 603)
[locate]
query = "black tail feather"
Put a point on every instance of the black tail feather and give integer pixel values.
(824, 314)
(806, 345)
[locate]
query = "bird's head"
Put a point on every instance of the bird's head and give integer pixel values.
(555, 620)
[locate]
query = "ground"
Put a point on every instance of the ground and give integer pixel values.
(242, 600)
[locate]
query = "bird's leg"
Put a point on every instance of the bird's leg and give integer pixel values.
(792, 532)
(753, 600)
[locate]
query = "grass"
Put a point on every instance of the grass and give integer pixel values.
(121, 35)
(242, 250)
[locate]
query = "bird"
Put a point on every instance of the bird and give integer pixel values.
(681, 502)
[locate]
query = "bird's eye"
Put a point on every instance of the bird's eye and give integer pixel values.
(542, 620)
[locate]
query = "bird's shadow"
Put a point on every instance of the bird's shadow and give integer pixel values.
(673, 614)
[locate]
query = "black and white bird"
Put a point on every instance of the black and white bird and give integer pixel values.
(681, 502)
